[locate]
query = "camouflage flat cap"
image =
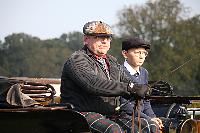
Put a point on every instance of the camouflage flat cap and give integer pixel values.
(135, 42)
(97, 28)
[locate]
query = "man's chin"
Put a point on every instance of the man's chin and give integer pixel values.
(139, 64)
(102, 52)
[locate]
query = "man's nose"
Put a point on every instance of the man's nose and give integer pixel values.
(141, 56)
(104, 40)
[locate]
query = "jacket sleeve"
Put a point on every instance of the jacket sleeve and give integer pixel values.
(81, 71)
(147, 109)
(128, 108)
(143, 115)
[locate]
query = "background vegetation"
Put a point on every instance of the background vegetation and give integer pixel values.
(174, 35)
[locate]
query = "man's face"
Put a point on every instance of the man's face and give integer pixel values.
(97, 45)
(135, 56)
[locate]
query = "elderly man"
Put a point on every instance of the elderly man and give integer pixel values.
(90, 76)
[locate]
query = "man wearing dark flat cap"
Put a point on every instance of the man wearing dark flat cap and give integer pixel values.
(92, 80)
(135, 51)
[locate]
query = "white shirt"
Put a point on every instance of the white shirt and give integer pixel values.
(130, 69)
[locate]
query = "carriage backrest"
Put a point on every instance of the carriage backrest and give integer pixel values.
(40, 92)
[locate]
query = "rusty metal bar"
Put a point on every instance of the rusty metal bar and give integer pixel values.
(34, 87)
(36, 91)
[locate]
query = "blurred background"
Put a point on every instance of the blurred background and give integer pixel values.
(36, 37)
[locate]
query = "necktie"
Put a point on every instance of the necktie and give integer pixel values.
(136, 74)
(105, 67)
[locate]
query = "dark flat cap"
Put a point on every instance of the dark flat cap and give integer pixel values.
(135, 42)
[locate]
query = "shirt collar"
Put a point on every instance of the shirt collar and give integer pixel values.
(130, 69)
(97, 57)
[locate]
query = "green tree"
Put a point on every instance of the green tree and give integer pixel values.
(73, 40)
(163, 24)
(24, 55)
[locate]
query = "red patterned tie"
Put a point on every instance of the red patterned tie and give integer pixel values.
(105, 66)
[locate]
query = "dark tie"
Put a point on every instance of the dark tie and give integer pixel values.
(136, 74)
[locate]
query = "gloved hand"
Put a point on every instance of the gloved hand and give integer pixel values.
(140, 90)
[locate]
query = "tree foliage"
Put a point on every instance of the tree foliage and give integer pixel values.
(174, 54)
(24, 55)
(174, 38)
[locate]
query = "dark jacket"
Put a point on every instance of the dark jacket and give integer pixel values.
(84, 83)
(145, 106)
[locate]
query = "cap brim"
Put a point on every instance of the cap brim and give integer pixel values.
(146, 46)
(101, 35)
(104, 35)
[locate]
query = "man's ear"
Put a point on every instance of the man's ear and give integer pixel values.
(85, 39)
(124, 53)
